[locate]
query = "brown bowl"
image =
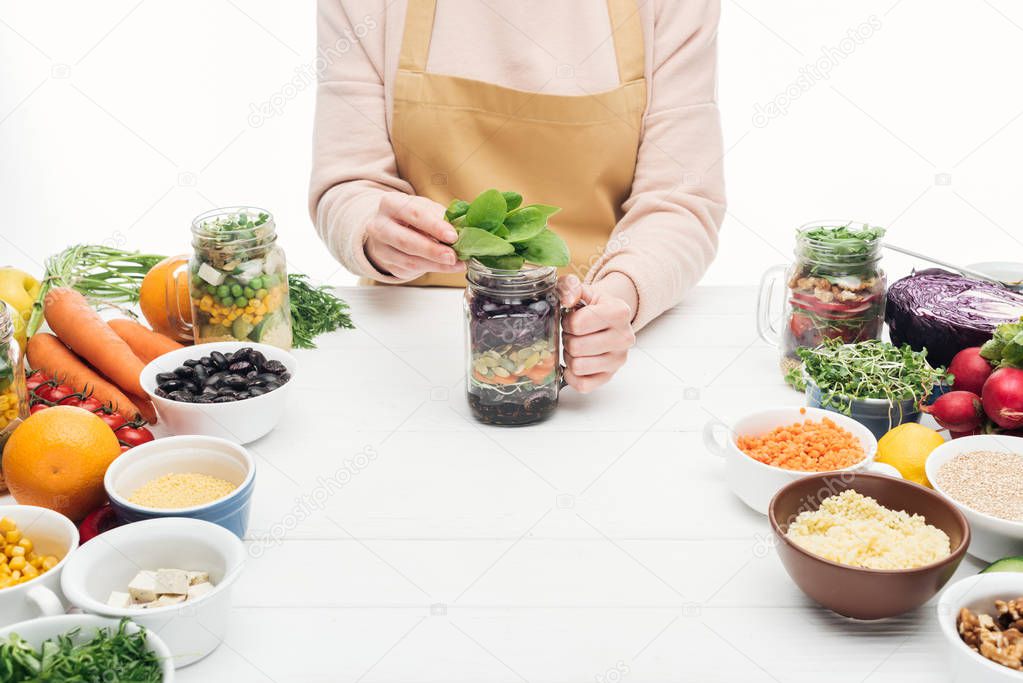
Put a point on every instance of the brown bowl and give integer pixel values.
(855, 591)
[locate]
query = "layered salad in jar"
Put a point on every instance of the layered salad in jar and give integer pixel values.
(239, 280)
(513, 348)
(836, 287)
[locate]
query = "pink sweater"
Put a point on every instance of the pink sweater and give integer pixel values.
(668, 233)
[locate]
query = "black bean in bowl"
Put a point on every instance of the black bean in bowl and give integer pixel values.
(222, 377)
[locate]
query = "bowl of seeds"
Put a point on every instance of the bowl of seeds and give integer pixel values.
(983, 476)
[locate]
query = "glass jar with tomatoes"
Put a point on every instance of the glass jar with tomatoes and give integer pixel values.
(513, 329)
(835, 289)
(13, 395)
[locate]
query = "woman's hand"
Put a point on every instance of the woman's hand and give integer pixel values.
(408, 237)
(598, 336)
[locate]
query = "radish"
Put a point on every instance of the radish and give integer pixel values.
(970, 369)
(1003, 397)
(957, 411)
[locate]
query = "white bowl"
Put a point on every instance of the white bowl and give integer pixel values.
(993, 537)
(53, 534)
(1009, 272)
(36, 631)
(240, 421)
(978, 594)
(756, 483)
(108, 562)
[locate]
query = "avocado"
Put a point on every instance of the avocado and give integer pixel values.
(275, 330)
(241, 328)
(1006, 564)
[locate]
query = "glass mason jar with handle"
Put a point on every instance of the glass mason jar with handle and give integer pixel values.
(13, 396)
(239, 278)
(513, 333)
(835, 289)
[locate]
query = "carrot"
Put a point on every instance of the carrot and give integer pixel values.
(145, 343)
(79, 326)
(48, 354)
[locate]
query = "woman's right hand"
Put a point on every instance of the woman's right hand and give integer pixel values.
(409, 237)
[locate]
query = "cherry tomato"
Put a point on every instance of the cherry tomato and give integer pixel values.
(35, 379)
(97, 522)
(37, 407)
(72, 400)
(130, 435)
(125, 448)
(54, 394)
(93, 405)
(115, 420)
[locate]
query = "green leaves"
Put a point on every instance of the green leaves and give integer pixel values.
(456, 209)
(476, 242)
(1005, 348)
(545, 249)
(509, 262)
(525, 224)
(503, 234)
(487, 211)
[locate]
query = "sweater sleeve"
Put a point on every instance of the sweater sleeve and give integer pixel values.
(353, 161)
(668, 234)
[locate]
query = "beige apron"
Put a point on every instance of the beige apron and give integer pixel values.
(455, 137)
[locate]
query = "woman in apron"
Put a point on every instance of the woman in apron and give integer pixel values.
(606, 109)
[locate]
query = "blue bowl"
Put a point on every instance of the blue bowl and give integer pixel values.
(876, 414)
(178, 455)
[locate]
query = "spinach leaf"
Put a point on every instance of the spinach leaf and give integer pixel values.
(456, 208)
(514, 199)
(477, 242)
(525, 224)
(546, 249)
(509, 262)
(487, 211)
(545, 209)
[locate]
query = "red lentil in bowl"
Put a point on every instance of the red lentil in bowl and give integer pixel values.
(807, 446)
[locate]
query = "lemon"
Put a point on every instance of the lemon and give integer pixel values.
(906, 448)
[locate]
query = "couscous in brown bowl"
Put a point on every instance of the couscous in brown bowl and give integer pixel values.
(859, 592)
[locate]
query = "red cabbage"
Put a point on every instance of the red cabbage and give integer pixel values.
(947, 313)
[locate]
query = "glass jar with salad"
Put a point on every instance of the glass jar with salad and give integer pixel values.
(13, 396)
(513, 328)
(239, 278)
(835, 289)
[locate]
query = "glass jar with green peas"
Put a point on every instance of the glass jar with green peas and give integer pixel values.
(239, 278)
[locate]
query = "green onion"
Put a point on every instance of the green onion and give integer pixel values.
(104, 275)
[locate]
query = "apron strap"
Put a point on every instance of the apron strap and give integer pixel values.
(627, 31)
(415, 45)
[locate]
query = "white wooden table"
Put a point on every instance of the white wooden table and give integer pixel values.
(394, 539)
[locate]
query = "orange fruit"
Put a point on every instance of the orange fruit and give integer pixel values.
(57, 458)
(164, 298)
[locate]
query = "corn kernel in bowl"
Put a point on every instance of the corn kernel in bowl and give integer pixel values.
(18, 560)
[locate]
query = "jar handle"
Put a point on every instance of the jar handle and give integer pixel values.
(766, 328)
(177, 318)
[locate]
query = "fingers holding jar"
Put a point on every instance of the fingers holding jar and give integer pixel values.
(596, 337)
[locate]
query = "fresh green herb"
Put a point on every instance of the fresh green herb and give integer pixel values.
(109, 656)
(869, 369)
(314, 311)
(479, 242)
(1005, 348)
(840, 247)
(104, 275)
(495, 229)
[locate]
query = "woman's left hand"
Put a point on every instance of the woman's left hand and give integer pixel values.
(596, 337)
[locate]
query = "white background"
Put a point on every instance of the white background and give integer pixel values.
(120, 120)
